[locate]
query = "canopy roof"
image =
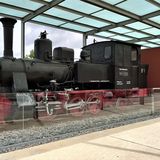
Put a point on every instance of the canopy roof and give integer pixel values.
(135, 21)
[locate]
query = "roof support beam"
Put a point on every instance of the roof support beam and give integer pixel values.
(150, 15)
(112, 8)
(67, 21)
(85, 40)
(22, 39)
(151, 23)
(121, 12)
(49, 25)
(83, 14)
(41, 1)
(15, 7)
(143, 39)
(111, 26)
(135, 40)
(154, 2)
(9, 16)
(121, 24)
(41, 10)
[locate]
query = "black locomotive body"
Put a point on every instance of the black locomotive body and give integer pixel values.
(116, 67)
(103, 65)
(40, 83)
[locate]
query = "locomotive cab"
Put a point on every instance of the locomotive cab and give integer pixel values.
(114, 62)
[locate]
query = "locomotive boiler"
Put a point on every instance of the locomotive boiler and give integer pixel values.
(36, 73)
(102, 65)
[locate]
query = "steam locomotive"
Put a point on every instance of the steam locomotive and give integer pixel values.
(102, 66)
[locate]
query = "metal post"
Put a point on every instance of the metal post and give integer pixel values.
(117, 102)
(22, 39)
(153, 105)
(141, 99)
(23, 117)
(84, 40)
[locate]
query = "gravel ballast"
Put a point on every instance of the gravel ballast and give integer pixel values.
(18, 139)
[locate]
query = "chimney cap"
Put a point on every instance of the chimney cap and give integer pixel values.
(8, 21)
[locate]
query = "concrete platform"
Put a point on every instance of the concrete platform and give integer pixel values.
(132, 142)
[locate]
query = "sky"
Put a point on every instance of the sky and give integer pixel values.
(59, 38)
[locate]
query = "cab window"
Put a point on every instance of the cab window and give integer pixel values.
(107, 52)
(134, 54)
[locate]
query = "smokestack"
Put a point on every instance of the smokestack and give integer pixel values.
(8, 25)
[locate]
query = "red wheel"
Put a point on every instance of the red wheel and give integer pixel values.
(5, 108)
(94, 104)
(77, 110)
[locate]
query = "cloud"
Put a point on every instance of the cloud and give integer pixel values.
(59, 37)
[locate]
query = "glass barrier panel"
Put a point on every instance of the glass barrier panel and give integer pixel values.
(29, 119)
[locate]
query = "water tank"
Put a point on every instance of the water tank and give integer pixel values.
(63, 55)
(43, 47)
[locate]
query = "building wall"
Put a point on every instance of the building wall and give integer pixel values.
(152, 57)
